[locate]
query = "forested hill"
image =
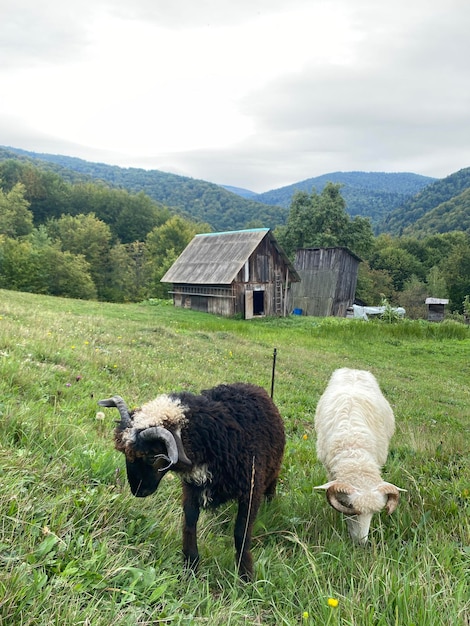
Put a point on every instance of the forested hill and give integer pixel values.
(396, 203)
(438, 208)
(448, 216)
(369, 194)
(200, 200)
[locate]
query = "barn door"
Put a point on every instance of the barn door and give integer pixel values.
(248, 304)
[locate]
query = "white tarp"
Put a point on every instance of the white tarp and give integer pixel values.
(363, 312)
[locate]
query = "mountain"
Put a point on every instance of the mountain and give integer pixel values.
(244, 193)
(439, 207)
(200, 200)
(396, 203)
(369, 194)
(448, 216)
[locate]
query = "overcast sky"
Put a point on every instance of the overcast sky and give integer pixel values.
(252, 93)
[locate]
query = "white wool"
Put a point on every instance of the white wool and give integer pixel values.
(163, 410)
(354, 424)
(199, 475)
(353, 421)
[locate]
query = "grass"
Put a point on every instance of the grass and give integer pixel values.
(76, 548)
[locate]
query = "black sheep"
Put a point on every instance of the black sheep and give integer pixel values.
(225, 444)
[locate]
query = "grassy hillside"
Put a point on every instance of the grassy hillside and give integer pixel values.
(77, 548)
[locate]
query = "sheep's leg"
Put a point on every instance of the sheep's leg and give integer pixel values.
(242, 534)
(191, 516)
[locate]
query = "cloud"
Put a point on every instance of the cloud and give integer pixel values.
(257, 94)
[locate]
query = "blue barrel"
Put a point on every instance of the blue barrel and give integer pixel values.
(297, 312)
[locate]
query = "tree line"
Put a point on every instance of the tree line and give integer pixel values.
(86, 240)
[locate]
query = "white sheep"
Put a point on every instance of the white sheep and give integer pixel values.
(354, 424)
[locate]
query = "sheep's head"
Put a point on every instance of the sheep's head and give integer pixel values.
(360, 504)
(151, 449)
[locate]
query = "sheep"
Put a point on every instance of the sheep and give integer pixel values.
(354, 424)
(225, 444)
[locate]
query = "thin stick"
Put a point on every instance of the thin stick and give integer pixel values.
(252, 487)
(273, 372)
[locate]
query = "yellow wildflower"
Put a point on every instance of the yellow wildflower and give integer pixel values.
(305, 437)
(305, 614)
(333, 602)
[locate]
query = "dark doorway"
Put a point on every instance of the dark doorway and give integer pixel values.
(258, 302)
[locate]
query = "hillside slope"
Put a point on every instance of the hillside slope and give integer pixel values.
(369, 194)
(448, 216)
(198, 199)
(392, 201)
(425, 205)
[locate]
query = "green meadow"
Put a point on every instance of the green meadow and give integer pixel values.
(76, 548)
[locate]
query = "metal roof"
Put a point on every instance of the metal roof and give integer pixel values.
(216, 258)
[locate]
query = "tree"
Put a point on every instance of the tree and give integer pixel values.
(400, 264)
(16, 220)
(374, 285)
(167, 242)
(456, 271)
(139, 217)
(130, 216)
(43, 269)
(125, 279)
(88, 236)
(319, 221)
(413, 298)
(436, 283)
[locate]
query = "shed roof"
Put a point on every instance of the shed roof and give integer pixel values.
(216, 258)
(436, 301)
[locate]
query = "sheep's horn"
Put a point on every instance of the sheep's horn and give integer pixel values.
(157, 432)
(118, 402)
(393, 495)
(332, 489)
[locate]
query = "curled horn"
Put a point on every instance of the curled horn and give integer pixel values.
(172, 441)
(118, 402)
(332, 489)
(393, 495)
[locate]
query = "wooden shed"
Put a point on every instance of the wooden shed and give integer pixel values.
(436, 308)
(238, 272)
(328, 281)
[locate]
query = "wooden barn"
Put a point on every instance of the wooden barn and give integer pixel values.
(239, 272)
(328, 281)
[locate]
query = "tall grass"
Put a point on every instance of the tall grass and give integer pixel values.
(77, 548)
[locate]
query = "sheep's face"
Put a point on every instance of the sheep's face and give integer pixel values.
(365, 503)
(150, 439)
(358, 527)
(147, 459)
(145, 471)
(359, 504)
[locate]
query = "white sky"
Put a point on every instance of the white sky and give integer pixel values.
(253, 93)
